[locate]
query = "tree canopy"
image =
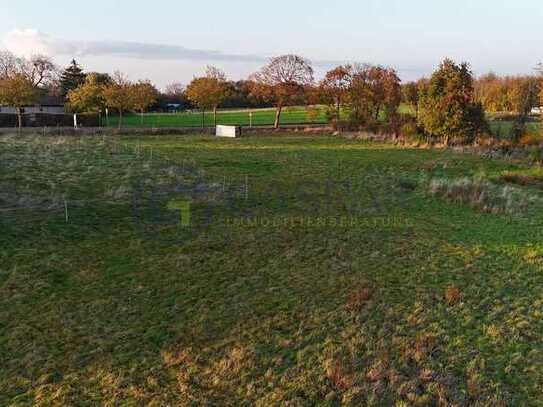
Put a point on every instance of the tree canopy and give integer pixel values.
(282, 80)
(447, 108)
(17, 91)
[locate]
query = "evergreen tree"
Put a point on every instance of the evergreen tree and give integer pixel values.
(447, 106)
(71, 78)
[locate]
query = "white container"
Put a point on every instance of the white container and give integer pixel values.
(228, 131)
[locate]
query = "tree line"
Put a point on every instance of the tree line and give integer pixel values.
(449, 106)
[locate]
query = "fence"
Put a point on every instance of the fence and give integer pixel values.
(8, 120)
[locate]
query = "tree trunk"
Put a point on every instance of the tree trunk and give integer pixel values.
(120, 118)
(203, 119)
(19, 117)
(277, 116)
(338, 111)
(215, 116)
(141, 118)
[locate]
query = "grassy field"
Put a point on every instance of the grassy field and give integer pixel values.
(308, 271)
(241, 117)
(504, 129)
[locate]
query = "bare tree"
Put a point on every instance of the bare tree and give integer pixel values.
(9, 64)
(281, 80)
(175, 90)
(40, 70)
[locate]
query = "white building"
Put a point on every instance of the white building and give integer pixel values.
(46, 104)
(537, 110)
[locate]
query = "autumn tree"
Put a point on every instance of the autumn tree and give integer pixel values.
(512, 94)
(218, 88)
(17, 91)
(335, 86)
(198, 92)
(282, 80)
(88, 97)
(447, 108)
(207, 92)
(118, 95)
(410, 95)
(143, 95)
(374, 91)
(99, 78)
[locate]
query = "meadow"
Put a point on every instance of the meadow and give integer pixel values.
(270, 270)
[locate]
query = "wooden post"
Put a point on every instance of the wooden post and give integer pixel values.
(66, 209)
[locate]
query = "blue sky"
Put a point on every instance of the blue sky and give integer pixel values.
(168, 40)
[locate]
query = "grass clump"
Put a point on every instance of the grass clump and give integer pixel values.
(483, 195)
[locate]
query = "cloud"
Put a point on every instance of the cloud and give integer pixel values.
(30, 41)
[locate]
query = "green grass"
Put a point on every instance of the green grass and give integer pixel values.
(421, 301)
(239, 117)
(504, 129)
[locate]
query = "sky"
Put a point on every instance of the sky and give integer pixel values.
(173, 40)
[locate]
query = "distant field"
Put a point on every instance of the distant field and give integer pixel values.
(238, 117)
(260, 117)
(266, 117)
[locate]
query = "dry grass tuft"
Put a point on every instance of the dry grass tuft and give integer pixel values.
(358, 297)
(421, 348)
(520, 179)
(482, 195)
(338, 378)
(452, 295)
